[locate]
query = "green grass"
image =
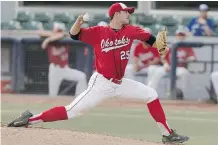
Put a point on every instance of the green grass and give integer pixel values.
(201, 126)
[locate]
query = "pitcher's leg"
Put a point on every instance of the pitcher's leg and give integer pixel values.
(79, 76)
(54, 80)
(93, 95)
(137, 90)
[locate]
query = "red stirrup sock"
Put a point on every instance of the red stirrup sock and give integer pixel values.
(157, 113)
(53, 114)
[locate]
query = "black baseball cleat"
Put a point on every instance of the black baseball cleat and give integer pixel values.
(174, 138)
(22, 120)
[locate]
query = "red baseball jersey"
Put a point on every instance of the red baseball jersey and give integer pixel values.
(182, 55)
(112, 47)
(58, 54)
(145, 54)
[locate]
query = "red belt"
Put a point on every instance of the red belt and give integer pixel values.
(116, 81)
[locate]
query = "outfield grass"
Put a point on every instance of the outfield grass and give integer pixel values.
(200, 125)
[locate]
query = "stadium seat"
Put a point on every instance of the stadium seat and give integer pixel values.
(133, 19)
(215, 22)
(32, 25)
(12, 25)
(168, 20)
(171, 30)
(48, 25)
(93, 22)
(69, 25)
(85, 25)
(23, 16)
(216, 31)
(102, 23)
(42, 17)
(146, 19)
(62, 17)
(186, 20)
(101, 17)
(155, 28)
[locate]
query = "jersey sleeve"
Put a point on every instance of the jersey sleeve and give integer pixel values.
(89, 35)
(141, 34)
(136, 51)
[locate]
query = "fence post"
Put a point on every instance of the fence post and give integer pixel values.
(173, 71)
(89, 63)
(211, 70)
(12, 59)
(16, 44)
(173, 77)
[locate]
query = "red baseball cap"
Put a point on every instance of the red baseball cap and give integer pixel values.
(117, 7)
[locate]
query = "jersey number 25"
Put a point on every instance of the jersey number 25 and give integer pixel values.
(124, 55)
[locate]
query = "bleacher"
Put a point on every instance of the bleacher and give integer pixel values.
(41, 20)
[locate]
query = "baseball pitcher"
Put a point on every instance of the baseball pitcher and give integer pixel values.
(184, 56)
(111, 47)
(59, 69)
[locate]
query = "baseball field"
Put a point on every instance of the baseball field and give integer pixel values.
(113, 122)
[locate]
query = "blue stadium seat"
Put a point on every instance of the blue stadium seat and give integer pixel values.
(62, 17)
(186, 20)
(48, 25)
(42, 17)
(69, 24)
(12, 25)
(101, 17)
(171, 30)
(23, 16)
(168, 20)
(133, 19)
(146, 19)
(216, 26)
(32, 25)
(155, 28)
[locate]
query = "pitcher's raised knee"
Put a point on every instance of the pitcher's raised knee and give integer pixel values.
(152, 95)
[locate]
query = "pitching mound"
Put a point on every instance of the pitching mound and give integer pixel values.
(37, 136)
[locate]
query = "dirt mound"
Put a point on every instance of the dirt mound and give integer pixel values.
(37, 136)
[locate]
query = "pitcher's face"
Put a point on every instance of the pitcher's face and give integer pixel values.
(124, 17)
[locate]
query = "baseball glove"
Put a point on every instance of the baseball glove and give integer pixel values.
(161, 41)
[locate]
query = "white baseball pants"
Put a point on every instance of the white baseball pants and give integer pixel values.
(57, 75)
(156, 73)
(130, 73)
(100, 88)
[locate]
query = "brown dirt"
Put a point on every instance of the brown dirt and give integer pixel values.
(37, 136)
